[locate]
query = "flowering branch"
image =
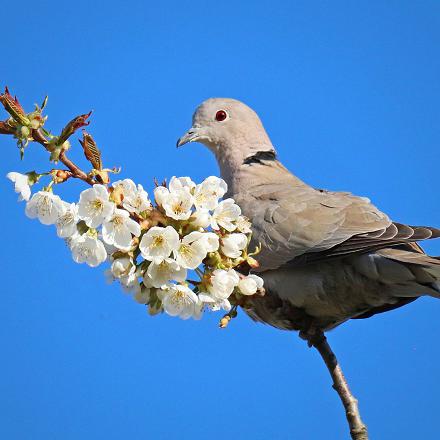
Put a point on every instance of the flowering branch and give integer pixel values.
(29, 128)
(75, 171)
(152, 246)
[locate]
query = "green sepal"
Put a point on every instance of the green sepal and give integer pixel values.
(82, 227)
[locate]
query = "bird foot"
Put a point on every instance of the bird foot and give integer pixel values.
(313, 335)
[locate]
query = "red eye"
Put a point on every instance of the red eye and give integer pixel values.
(220, 115)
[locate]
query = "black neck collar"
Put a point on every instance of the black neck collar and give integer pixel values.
(260, 156)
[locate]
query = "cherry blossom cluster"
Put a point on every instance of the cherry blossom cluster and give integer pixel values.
(154, 249)
(182, 253)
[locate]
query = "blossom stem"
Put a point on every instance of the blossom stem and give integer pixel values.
(39, 137)
(199, 273)
(194, 283)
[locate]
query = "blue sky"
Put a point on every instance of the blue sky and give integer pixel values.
(349, 93)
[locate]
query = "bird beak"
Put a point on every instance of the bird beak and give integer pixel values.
(190, 136)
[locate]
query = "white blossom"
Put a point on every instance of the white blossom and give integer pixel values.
(137, 201)
(122, 267)
(130, 281)
(127, 186)
(21, 185)
(178, 204)
(180, 300)
(211, 241)
(192, 250)
(118, 229)
(160, 274)
(176, 185)
(67, 220)
(179, 183)
(243, 225)
(70, 240)
(198, 310)
(176, 199)
(160, 194)
(250, 284)
(226, 213)
(132, 288)
(142, 296)
(233, 244)
(200, 219)
(87, 249)
(94, 206)
(214, 304)
(158, 243)
(206, 194)
(222, 283)
(45, 206)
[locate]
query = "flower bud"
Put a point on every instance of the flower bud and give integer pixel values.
(224, 321)
(36, 120)
(117, 194)
(122, 266)
(142, 296)
(252, 262)
(200, 219)
(60, 176)
(13, 107)
(23, 131)
(73, 125)
(102, 176)
(250, 285)
(91, 151)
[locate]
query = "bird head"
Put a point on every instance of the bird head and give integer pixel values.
(229, 128)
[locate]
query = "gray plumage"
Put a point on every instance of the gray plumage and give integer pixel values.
(326, 256)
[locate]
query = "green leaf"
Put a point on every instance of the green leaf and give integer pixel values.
(44, 103)
(33, 177)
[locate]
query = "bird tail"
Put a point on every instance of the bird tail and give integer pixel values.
(424, 268)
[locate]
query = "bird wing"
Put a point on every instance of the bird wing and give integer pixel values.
(299, 224)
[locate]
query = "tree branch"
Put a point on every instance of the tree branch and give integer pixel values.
(358, 429)
(39, 137)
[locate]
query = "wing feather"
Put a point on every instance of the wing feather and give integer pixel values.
(297, 224)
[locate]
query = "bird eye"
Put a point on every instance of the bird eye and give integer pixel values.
(221, 115)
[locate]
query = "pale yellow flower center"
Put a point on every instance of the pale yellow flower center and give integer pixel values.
(178, 209)
(180, 298)
(200, 197)
(66, 218)
(137, 202)
(158, 240)
(185, 250)
(45, 206)
(118, 221)
(97, 205)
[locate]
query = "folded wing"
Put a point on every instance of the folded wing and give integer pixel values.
(298, 225)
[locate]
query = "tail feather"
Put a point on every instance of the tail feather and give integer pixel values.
(425, 268)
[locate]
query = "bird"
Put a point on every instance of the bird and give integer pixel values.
(326, 257)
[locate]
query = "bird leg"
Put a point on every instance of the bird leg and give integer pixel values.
(316, 338)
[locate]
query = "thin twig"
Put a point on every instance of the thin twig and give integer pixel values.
(358, 429)
(39, 137)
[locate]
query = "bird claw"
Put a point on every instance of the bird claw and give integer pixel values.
(312, 335)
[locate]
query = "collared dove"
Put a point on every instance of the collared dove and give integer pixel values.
(326, 256)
